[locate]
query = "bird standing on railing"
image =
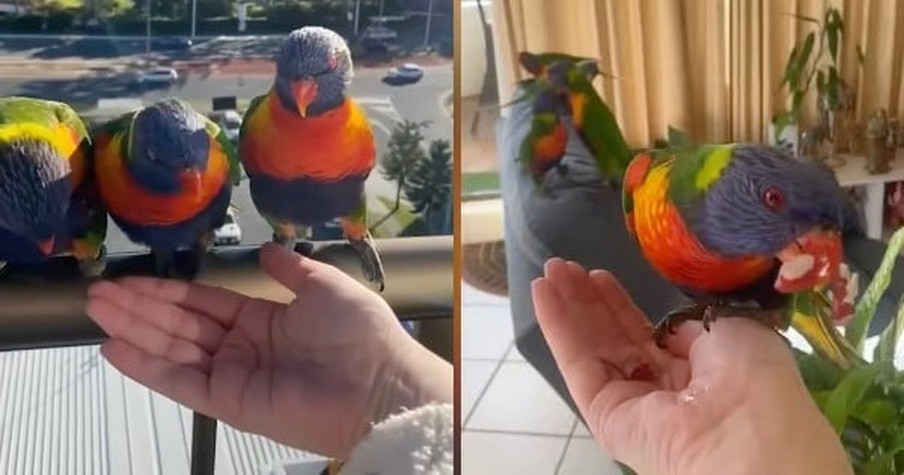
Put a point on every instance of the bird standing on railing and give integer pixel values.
(166, 174)
(308, 148)
(48, 199)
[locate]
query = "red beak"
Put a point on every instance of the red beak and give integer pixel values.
(191, 182)
(305, 91)
(815, 260)
(46, 246)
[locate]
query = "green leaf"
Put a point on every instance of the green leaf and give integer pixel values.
(855, 331)
(888, 341)
(847, 395)
(819, 374)
(837, 21)
(832, 36)
(806, 50)
(821, 82)
(781, 121)
(626, 470)
(833, 87)
(790, 70)
(877, 413)
(882, 465)
(796, 100)
(805, 18)
(679, 138)
(820, 398)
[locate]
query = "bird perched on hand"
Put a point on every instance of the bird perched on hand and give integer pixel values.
(308, 148)
(48, 200)
(166, 173)
(739, 229)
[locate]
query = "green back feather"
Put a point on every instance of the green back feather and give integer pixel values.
(26, 109)
(216, 132)
(252, 108)
(694, 171)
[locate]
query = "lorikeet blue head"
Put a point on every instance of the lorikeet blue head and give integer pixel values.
(313, 69)
(35, 187)
(169, 147)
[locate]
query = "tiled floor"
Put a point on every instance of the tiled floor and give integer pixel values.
(513, 420)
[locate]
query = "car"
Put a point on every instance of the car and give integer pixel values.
(230, 120)
(230, 233)
(407, 71)
(171, 43)
(158, 76)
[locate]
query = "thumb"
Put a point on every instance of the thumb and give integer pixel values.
(289, 268)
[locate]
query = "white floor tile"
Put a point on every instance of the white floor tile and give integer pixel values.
(518, 399)
(514, 355)
(475, 375)
(581, 430)
(496, 454)
(471, 295)
(585, 457)
(486, 332)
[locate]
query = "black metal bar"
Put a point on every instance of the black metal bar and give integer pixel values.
(42, 307)
(203, 444)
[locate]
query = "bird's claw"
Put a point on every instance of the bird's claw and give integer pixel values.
(93, 268)
(667, 325)
(370, 261)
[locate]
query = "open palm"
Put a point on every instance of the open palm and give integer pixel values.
(313, 374)
(690, 408)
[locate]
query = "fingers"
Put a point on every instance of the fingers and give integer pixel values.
(623, 308)
(288, 268)
(182, 383)
(216, 302)
(145, 336)
(680, 343)
(133, 307)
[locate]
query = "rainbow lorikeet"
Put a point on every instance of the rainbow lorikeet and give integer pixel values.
(593, 120)
(166, 173)
(742, 230)
(538, 66)
(48, 200)
(545, 144)
(308, 148)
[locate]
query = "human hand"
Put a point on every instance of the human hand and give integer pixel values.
(313, 374)
(727, 401)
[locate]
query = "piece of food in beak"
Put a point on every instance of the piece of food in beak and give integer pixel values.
(814, 261)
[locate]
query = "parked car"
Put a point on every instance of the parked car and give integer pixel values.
(230, 121)
(407, 71)
(230, 233)
(158, 76)
(171, 43)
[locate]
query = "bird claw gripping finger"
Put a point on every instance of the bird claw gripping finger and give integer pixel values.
(666, 326)
(93, 267)
(370, 260)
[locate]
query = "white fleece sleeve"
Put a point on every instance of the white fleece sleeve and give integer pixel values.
(414, 442)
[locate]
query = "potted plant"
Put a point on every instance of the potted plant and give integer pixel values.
(813, 59)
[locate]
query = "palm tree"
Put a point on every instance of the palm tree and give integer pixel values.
(399, 162)
(429, 187)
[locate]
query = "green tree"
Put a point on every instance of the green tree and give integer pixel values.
(429, 186)
(405, 151)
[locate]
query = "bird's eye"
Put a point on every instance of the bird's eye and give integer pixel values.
(773, 198)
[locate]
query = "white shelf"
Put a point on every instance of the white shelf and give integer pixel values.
(853, 173)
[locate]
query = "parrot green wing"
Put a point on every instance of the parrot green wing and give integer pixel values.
(597, 126)
(26, 109)
(121, 125)
(252, 109)
(216, 132)
(695, 170)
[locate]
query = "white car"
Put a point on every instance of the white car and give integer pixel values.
(158, 76)
(229, 233)
(230, 121)
(406, 71)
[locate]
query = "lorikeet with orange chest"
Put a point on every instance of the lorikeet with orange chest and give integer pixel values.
(308, 148)
(545, 144)
(732, 225)
(166, 173)
(48, 199)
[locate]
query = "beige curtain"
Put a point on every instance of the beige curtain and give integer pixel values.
(710, 67)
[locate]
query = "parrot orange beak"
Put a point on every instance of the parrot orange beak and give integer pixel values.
(305, 91)
(814, 261)
(46, 246)
(191, 182)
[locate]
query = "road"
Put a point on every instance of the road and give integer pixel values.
(386, 105)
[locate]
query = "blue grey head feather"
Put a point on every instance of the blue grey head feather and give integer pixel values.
(733, 219)
(316, 53)
(35, 189)
(169, 136)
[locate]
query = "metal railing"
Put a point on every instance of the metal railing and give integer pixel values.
(43, 307)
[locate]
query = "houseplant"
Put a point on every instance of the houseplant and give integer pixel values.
(814, 59)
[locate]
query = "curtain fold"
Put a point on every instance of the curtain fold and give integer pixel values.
(710, 67)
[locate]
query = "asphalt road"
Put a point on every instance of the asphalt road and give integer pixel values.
(386, 105)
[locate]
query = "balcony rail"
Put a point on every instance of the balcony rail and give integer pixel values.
(43, 307)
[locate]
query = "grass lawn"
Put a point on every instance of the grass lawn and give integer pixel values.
(479, 182)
